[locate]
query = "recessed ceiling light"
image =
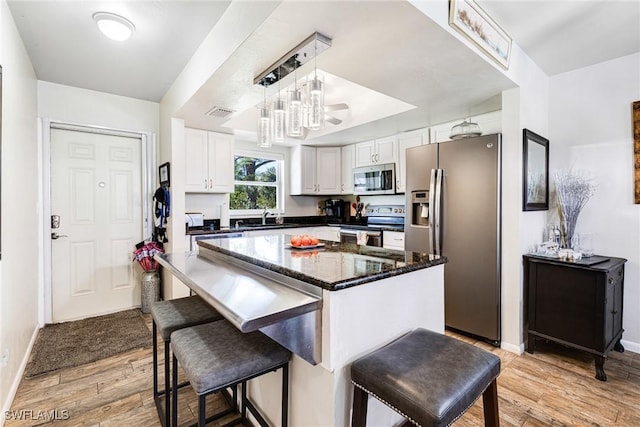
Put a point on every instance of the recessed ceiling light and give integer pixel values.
(114, 26)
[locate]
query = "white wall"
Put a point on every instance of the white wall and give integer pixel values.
(20, 209)
(591, 129)
(88, 107)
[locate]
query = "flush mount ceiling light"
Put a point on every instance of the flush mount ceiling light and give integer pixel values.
(466, 129)
(114, 26)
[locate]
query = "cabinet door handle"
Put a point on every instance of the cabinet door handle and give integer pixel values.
(610, 280)
(210, 183)
(205, 184)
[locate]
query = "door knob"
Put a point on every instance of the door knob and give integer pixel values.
(56, 236)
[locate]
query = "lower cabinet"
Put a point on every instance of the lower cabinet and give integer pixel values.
(575, 303)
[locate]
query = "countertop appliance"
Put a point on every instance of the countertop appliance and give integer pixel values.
(453, 209)
(376, 179)
(194, 220)
(334, 208)
(379, 218)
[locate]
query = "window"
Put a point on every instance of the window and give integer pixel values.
(258, 183)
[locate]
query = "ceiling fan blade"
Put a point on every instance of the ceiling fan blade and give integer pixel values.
(336, 107)
(332, 120)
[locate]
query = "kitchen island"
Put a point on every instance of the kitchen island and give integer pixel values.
(329, 305)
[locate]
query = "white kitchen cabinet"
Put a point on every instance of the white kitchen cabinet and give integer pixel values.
(347, 154)
(379, 151)
(208, 161)
(393, 240)
(407, 140)
(315, 170)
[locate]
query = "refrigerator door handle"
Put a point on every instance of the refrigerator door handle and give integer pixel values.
(432, 206)
(438, 212)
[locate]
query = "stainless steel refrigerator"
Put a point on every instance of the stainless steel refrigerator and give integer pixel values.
(453, 209)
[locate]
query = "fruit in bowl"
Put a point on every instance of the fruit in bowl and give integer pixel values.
(303, 240)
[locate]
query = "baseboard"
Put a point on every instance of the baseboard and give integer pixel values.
(517, 349)
(6, 405)
(630, 346)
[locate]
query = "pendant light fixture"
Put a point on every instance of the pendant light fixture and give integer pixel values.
(466, 129)
(278, 117)
(315, 98)
(264, 124)
(303, 106)
(294, 108)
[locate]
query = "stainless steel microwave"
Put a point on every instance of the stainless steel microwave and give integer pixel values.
(376, 179)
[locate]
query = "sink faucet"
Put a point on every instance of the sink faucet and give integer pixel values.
(238, 222)
(264, 216)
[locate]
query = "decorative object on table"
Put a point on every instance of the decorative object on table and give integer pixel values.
(535, 172)
(466, 17)
(636, 149)
(164, 173)
(150, 281)
(573, 190)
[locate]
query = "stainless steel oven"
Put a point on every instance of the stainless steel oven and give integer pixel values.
(350, 235)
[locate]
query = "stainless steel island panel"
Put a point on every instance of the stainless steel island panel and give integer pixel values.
(253, 302)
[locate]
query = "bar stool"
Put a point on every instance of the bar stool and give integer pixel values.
(217, 355)
(428, 378)
(169, 316)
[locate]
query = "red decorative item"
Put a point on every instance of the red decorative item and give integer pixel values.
(144, 255)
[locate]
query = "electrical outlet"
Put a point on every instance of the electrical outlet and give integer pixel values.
(5, 358)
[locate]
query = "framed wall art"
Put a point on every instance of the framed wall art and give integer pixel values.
(535, 172)
(636, 150)
(466, 17)
(165, 175)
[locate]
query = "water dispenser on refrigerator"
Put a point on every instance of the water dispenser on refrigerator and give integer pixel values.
(420, 208)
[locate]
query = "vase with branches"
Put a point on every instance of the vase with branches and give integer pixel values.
(573, 191)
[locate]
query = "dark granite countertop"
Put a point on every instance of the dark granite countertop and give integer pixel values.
(333, 266)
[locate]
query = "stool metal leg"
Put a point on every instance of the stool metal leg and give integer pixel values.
(167, 406)
(243, 415)
(490, 405)
(202, 411)
(285, 395)
(174, 394)
(360, 400)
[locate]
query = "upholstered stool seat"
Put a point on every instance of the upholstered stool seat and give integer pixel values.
(429, 378)
(169, 316)
(217, 355)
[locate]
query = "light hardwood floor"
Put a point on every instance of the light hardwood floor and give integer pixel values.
(553, 387)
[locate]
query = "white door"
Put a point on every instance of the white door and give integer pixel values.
(96, 189)
(328, 170)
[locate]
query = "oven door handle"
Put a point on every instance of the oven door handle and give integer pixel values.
(373, 233)
(349, 232)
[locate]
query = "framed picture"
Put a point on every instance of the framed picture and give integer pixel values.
(636, 150)
(165, 175)
(472, 22)
(535, 172)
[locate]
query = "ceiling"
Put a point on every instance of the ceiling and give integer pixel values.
(397, 69)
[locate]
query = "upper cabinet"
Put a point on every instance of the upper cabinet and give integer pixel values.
(407, 140)
(315, 171)
(379, 151)
(347, 169)
(208, 161)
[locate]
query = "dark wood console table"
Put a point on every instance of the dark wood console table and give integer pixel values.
(575, 303)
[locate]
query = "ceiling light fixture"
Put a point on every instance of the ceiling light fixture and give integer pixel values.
(302, 108)
(466, 129)
(114, 26)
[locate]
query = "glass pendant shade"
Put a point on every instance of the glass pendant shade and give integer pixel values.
(278, 120)
(264, 127)
(466, 129)
(316, 103)
(294, 113)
